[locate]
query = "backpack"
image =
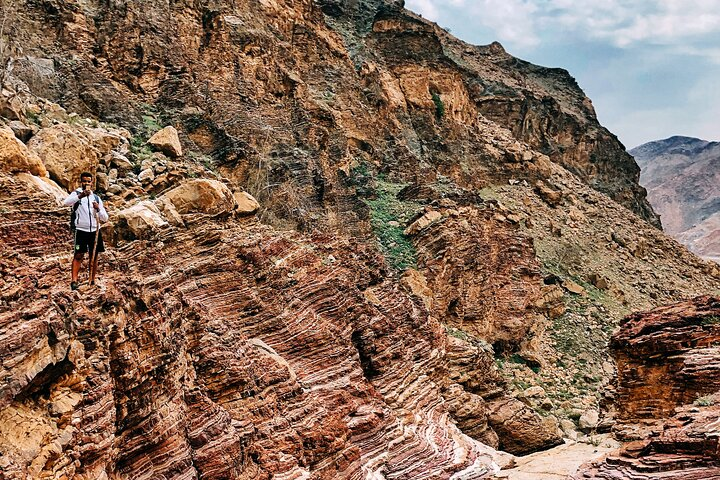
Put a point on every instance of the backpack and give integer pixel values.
(74, 209)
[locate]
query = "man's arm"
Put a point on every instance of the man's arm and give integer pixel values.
(101, 211)
(72, 199)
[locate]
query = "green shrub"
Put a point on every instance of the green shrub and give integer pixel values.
(439, 106)
(706, 401)
(388, 216)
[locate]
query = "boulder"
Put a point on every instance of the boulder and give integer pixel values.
(520, 429)
(573, 287)
(120, 162)
(10, 106)
(15, 156)
(428, 218)
(141, 220)
(550, 196)
(598, 281)
(65, 153)
(568, 429)
(201, 196)
(589, 420)
(146, 176)
(169, 212)
(44, 186)
(102, 182)
(167, 141)
(21, 131)
(246, 203)
(536, 391)
(101, 139)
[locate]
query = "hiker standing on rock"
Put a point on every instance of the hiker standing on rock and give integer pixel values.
(88, 212)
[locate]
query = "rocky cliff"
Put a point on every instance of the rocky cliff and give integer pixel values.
(682, 175)
(444, 240)
(667, 394)
(287, 95)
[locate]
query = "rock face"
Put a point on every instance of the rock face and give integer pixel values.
(443, 228)
(295, 94)
(468, 273)
(243, 355)
(682, 177)
(668, 366)
(684, 336)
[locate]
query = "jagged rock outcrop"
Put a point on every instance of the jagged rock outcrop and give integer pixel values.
(470, 275)
(223, 350)
(288, 95)
(454, 253)
(668, 365)
(667, 358)
(682, 176)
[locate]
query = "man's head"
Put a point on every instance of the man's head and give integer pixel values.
(86, 179)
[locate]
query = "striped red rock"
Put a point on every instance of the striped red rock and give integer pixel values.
(226, 350)
(668, 366)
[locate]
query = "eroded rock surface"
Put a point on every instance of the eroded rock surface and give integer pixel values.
(310, 91)
(468, 235)
(667, 394)
(666, 358)
(224, 350)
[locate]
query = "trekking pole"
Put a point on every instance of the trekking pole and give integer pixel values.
(93, 269)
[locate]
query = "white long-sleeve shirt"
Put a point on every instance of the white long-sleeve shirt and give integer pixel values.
(84, 215)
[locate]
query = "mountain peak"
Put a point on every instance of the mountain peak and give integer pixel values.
(677, 144)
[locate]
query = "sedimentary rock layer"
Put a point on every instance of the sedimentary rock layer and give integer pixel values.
(225, 350)
(666, 358)
(668, 365)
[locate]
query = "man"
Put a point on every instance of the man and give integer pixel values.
(87, 207)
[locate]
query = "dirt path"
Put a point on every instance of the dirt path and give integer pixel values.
(559, 462)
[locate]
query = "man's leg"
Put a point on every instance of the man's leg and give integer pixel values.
(76, 263)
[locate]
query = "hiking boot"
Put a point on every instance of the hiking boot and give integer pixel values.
(73, 285)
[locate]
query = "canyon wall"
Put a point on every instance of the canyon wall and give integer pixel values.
(681, 176)
(372, 250)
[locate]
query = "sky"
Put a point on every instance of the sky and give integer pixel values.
(651, 68)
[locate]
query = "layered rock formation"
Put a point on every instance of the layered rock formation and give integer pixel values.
(682, 175)
(221, 351)
(441, 229)
(668, 365)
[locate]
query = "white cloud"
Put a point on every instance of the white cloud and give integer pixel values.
(511, 20)
(622, 23)
(651, 66)
(426, 8)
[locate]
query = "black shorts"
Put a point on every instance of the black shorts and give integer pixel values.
(85, 241)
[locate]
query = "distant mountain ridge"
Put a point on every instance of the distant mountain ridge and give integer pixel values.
(682, 177)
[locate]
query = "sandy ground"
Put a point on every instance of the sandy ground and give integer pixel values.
(559, 462)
